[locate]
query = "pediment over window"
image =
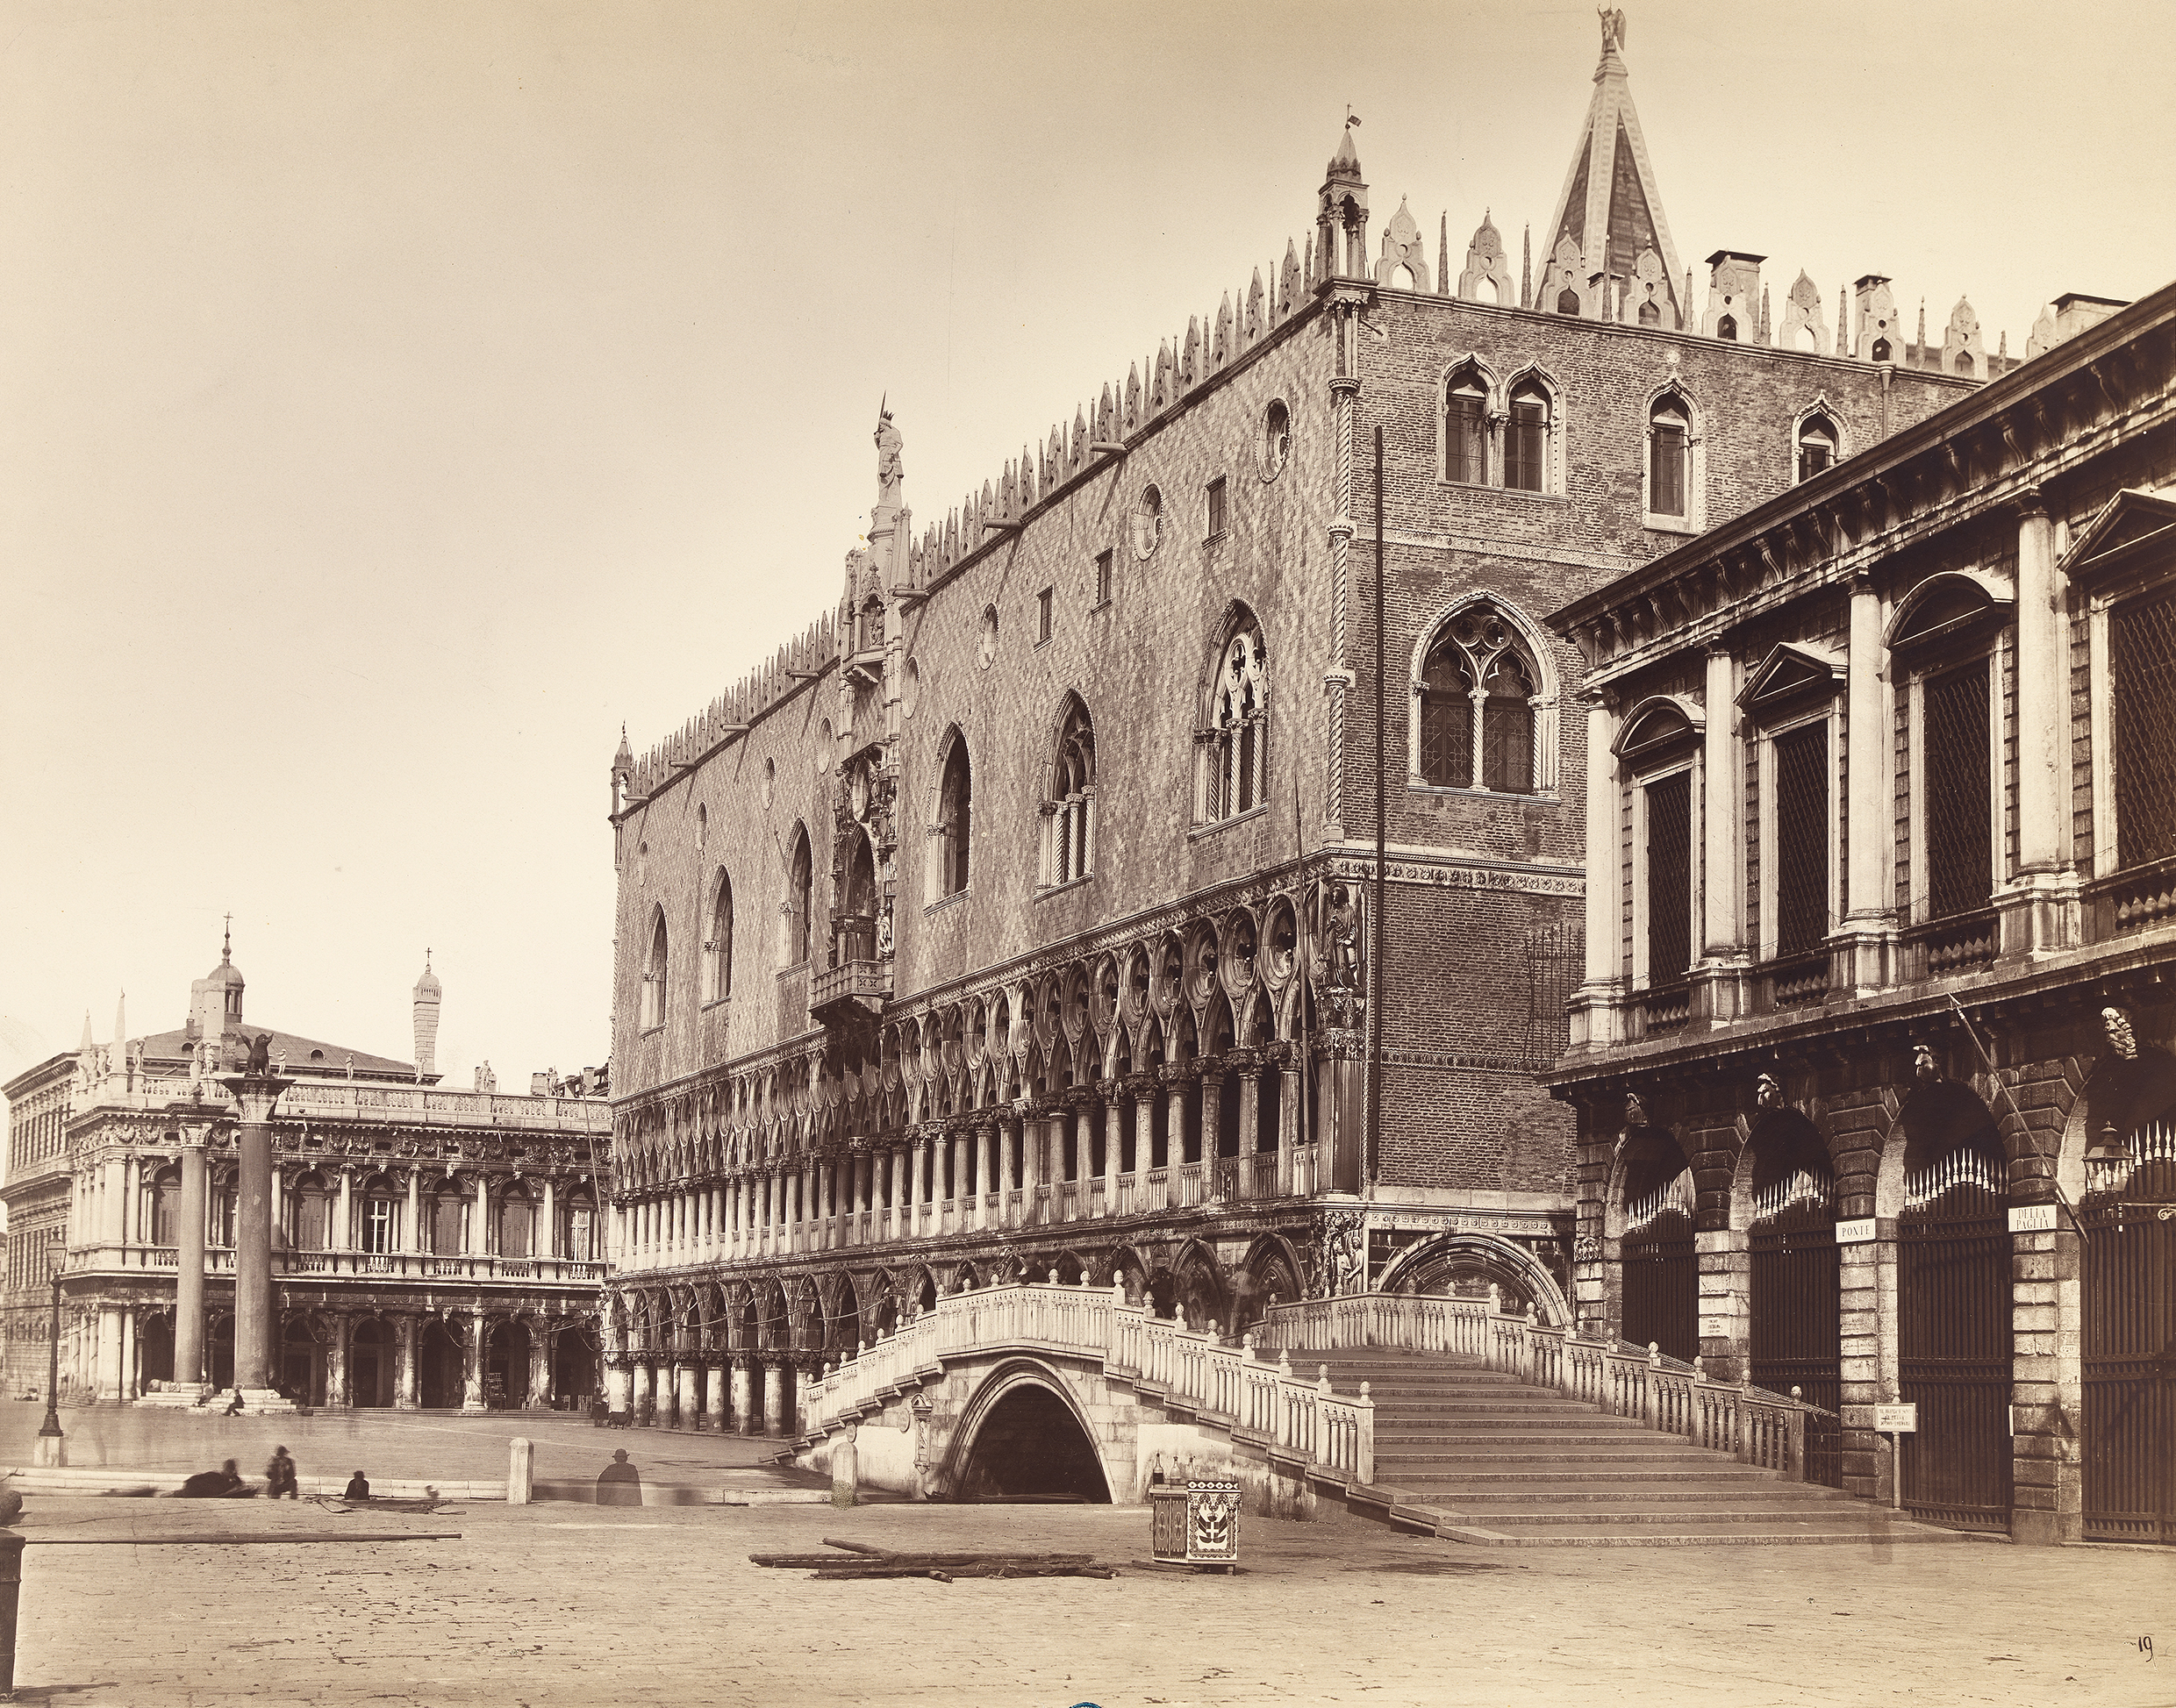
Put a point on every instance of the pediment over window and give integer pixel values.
(1946, 610)
(2135, 530)
(1791, 674)
(1661, 727)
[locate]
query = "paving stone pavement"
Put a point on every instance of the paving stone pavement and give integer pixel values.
(543, 1605)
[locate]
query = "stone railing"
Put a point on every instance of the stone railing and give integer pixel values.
(1749, 1422)
(400, 1265)
(1225, 1386)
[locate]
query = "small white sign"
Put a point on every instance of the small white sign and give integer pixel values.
(1856, 1231)
(2032, 1218)
(1897, 1419)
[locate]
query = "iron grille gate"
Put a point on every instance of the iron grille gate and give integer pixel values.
(1953, 1347)
(1795, 1338)
(2129, 1356)
(1662, 1286)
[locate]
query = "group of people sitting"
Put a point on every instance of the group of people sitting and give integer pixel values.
(226, 1484)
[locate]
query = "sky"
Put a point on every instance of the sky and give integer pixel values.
(396, 398)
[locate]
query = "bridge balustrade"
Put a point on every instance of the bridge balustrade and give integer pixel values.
(1227, 1385)
(1749, 1422)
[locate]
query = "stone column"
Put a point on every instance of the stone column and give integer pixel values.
(2039, 910)
(1288, 1113)
(690, 1391)
(190, 1214)
(642, 1402)
(1249, 1125)
(475, 1338)
(720, 1373)
(618, 1387)
(985, 1137)
(1175, 1122)
(1010, 1128)
(1593, 1008)
(1084, 1146)
(916, 1195)
(744, 1407)
(406, 1377)
(1869, 913)
(547, 1242)
(1212, 1128)
(1114, 1140)
(106, 1377)
(1145, 1094)
(336, 1360)
(412, 1225)
(255, 1094)
(1721, 809)
(540, 1388)
(773, 1398)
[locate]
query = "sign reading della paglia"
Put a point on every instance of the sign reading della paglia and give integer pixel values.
(2032, 1218)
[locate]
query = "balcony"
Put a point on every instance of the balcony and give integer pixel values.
(1797, 980)
(1960, 943)
(850, 995)
(2137, 898)
(370, 1266)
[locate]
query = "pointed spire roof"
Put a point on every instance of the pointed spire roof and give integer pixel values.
(1345, 163)
(87, 1045)
(1611, 207)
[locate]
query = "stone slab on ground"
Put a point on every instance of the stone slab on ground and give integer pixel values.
(552, 1606)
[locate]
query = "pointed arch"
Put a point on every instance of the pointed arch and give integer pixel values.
(655, 968)
(1484, 701)
(718, 939)
(1817, 440)
(1068, 813)
(951, 818)
(1471, 401)
(1673, 472)
(799, 899)
(1231, 769)
(1533, 431)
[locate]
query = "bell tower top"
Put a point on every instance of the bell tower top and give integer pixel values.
(1341, 221)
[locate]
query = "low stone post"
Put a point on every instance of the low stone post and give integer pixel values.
(11, 1594)
(845, 1466)
(520, 1470)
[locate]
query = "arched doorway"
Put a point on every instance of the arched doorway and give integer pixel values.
(302, 1362)
(1661, 1300)
(1029, 1445)
(1465, 1265)
(506, 1367)
(574, 1365)
(438, 1367)
(370, 1363)
(1795, 1335)
(1953, 1311)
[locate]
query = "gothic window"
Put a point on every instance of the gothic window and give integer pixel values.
(1668, 434)
(1526, 438)
(1880, 351)
(1069, 815)
(1275, 439)
(717, 942)
(654, 971)
(797, 899)
(1727, 327)
(1234, 764)
(955, 812)
(1477, 714)
(1567, 300)
(1817, 441)
(1465, 428)
(1650, 313)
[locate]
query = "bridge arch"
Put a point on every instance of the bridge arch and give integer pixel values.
(1433, 1265)
(1023, 1432)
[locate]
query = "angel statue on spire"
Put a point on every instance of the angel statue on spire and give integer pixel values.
(890, 471)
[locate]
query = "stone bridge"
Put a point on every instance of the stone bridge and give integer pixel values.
(1049, 1390)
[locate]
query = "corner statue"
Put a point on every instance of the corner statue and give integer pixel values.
(890, 470)
(1613, 28)
(260, 1056)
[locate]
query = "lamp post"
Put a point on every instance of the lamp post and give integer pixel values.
(52, 1443)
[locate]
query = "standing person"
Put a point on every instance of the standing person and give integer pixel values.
(279, 1476)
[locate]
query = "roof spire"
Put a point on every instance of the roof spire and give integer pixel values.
(89, 1044)
(1611, 204)
(227, 942)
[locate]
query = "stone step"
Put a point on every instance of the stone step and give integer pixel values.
(1684, 1516)
(1551, 1497)
(1508, 1479)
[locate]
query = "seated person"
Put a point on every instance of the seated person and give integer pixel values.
(619, 1483)
(224, 1484)
(358, 1488)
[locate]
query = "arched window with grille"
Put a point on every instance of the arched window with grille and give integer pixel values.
(654, 971)
(953, 833)
(797, 896)
(1476, 696)
(717, 941)
(1232, 769)
(1068, 813)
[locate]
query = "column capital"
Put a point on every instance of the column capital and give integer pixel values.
(2031, 504)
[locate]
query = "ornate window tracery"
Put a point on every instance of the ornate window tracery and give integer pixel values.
(653, 969)
(717, 942)
(1477, 691)
(1069, 815)
(1232, 765)
(954, 830)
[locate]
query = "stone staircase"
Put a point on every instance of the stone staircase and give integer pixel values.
(1474, 1455)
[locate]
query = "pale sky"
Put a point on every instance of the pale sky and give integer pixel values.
(394, 398)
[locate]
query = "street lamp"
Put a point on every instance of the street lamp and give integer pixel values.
(51, 1448)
